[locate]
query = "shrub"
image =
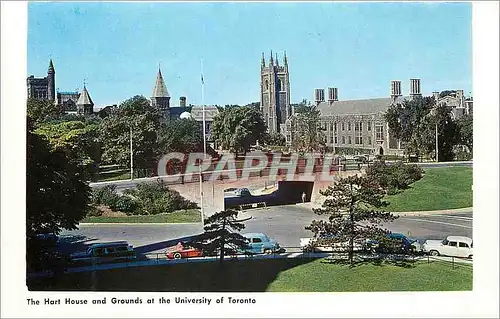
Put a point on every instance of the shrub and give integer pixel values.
(157, 198)
(395, 177)
(127, 205)
(106, 195)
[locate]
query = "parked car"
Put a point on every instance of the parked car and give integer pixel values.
(455, 246)
(182, 251)
(105, 252)
(260, 243)
(406, 244)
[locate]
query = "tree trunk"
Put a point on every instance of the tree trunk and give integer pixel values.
(223, 241)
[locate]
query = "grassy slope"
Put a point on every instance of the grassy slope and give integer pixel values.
(302, 275)
(318, 276)
(181, 216)
(440, 188)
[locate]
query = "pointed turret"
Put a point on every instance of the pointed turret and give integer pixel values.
(277, 61)
(285, 60)
(160, 89)
(263, 62)
(161, 98)
(51, 67)
(271, 62)
(84, 104)
(51, 82)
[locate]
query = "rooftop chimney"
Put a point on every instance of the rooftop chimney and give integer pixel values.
(395, 89)
(333, 95)
(319, 95)
(182, 101)
(415, 87)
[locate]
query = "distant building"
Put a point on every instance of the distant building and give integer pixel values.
(43, 88)
(161, 100)
(275, 93)
(68, 102)
(358, 126)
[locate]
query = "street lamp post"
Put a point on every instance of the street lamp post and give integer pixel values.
(437, 144)
(131, 156)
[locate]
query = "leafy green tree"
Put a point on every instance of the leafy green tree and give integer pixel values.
(134, 116)
(184, 135)
(396, 177)
(355, 208)
(78, 140)
(220, 236)
(465, 128)
(237, 128)
(57, 195)
(411, 122)
(41, 111)
(307, 134)
(273, 139)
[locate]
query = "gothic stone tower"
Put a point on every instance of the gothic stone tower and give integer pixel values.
(161, 98)
(51, 82)
(275, 93)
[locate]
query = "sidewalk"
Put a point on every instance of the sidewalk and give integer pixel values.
(312, 205)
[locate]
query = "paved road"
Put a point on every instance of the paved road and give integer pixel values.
(286, 224)
(283, 223)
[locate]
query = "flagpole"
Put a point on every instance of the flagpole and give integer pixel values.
(204, 147)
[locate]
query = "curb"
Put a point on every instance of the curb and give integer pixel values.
(430, 212)
(138, 224)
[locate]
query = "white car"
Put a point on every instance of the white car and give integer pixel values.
(455, 246)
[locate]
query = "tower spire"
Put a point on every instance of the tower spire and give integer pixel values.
(285, 60)
(277, 61)
(271, 62)
(263, 62)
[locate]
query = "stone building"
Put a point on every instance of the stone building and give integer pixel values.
(275, 93)
(160, 97)
(161, 100)
(358, 126)
(43, 88)
(68, 102)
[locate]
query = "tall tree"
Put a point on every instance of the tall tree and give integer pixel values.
(78, 140)
(273, 139)
(410, 121)
(307, 134)
(221, 235)
(355, 208)
(237, 128)
(465, 127)
(184, 135)
(40, 111)
(57, 195)
(138, 118)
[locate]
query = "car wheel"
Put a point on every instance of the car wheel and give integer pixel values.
(177, 256)
(434, 253)
(268, 251)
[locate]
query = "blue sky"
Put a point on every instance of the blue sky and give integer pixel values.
(357, 47)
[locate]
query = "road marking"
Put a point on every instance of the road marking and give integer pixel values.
(448, 216)
(436, 222)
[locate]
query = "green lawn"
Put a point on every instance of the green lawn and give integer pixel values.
(180, 216)
(274, 275)
(440, 188)
(421, 276)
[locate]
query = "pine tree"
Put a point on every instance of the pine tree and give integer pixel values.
(355, 208)
(221, 235)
